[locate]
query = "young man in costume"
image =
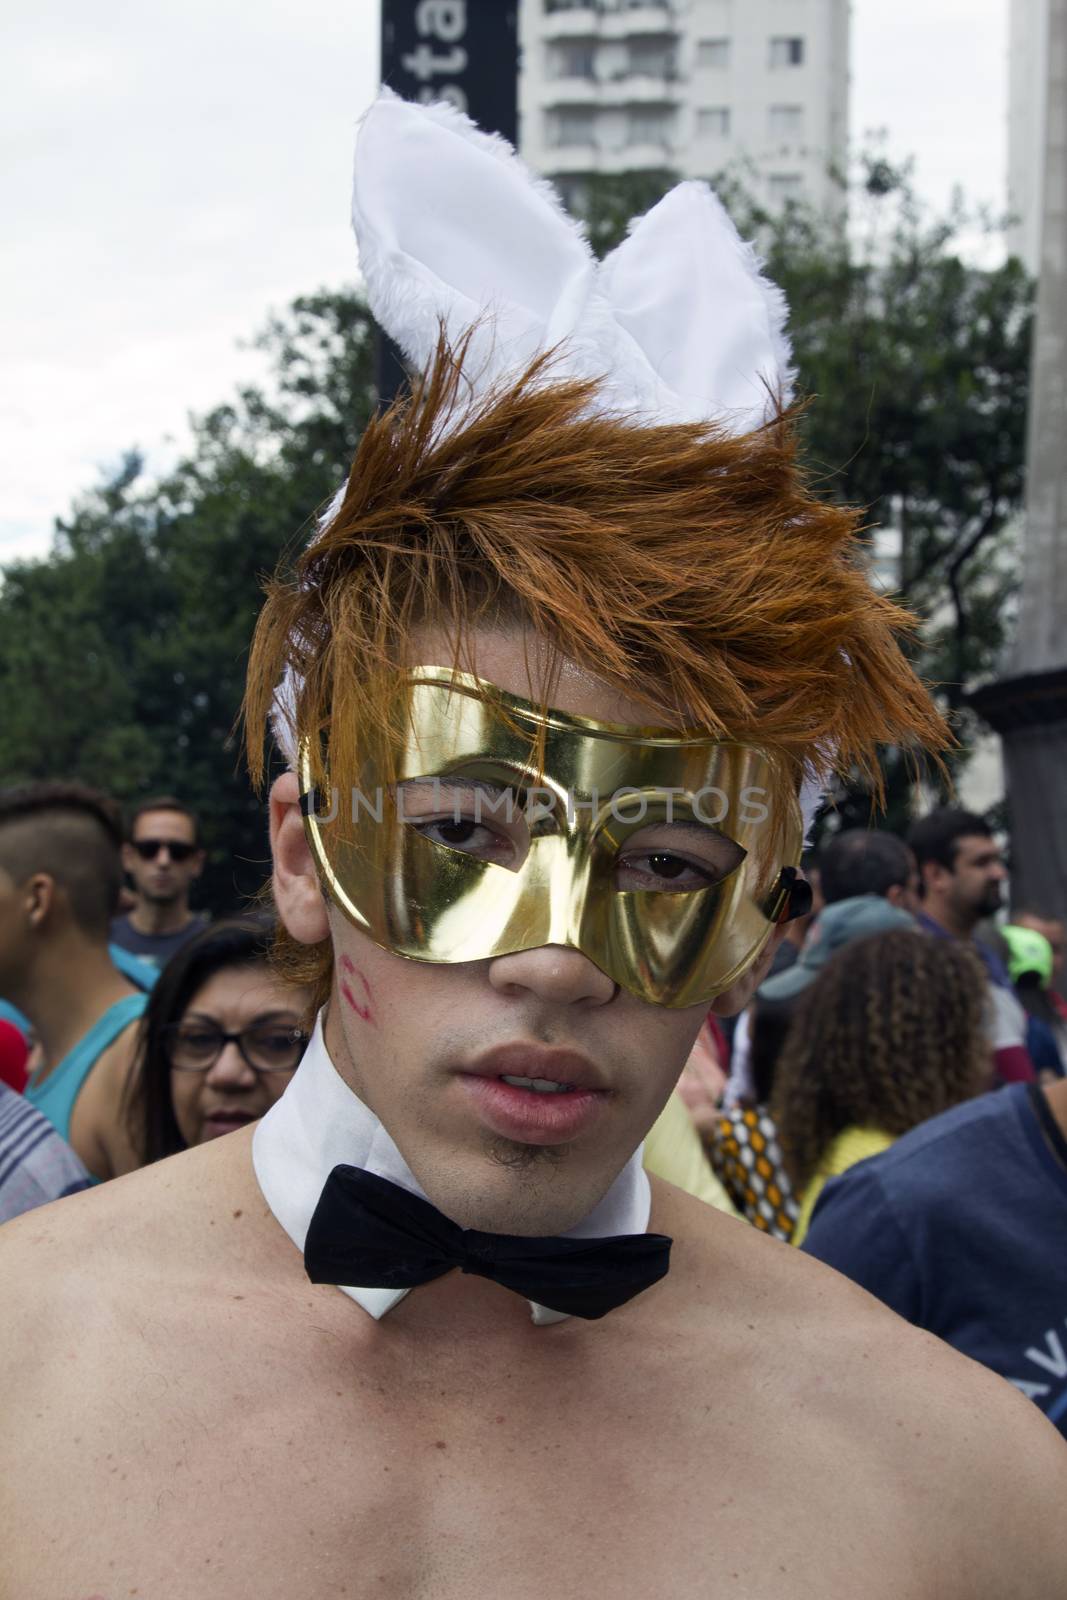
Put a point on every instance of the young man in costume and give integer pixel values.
(574, 644)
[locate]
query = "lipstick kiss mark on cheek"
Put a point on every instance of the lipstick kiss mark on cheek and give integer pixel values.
(363, 1011)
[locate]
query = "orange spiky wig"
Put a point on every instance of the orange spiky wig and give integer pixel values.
(685, 566)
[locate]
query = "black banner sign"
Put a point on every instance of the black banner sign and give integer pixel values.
(463, 51)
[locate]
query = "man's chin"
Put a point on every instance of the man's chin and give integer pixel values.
(520, 1189)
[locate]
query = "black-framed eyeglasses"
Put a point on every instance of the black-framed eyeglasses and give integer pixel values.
(265, 1047)
(177, 849)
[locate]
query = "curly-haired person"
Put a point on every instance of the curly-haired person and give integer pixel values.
(890, 1034)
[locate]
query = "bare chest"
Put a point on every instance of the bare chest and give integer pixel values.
(299, 1468)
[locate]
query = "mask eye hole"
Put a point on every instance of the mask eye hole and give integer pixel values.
(472, 817)
(676, 858)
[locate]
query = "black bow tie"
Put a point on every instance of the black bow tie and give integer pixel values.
(369, 1233)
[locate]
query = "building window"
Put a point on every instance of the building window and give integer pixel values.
(786, 122)
(571, 126)
(787, 52)
(713, 122)
(783, 186)
(572, 59)
(713, 53)
(650, 59)
(648, 125)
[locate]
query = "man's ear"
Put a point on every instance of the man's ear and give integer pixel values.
(38, 899)
(129, 856)
(297, 892)
(198, 865)
(737, 996)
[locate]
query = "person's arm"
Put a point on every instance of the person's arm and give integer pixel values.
(855, 1231)
(1010, 1467)
(106, 1144)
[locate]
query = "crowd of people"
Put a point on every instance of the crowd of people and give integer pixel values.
(888, 1028)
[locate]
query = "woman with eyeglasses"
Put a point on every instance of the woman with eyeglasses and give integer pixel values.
(220, 1040)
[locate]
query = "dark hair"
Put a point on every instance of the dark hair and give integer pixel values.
(236, 942)
(164, 802)
(73, 833)
(862, 861)
(936, 837)
(891, 1032)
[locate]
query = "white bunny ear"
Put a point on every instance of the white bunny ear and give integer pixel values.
(691, 294)
(453, 228)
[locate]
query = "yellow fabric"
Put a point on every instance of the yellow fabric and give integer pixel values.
(850, 1146)
(673, 1151)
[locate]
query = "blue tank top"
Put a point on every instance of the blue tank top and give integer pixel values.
(55, 1097)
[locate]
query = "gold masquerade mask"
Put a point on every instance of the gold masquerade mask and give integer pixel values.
(666, 860)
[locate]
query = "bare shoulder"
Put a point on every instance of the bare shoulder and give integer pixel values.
(80, 1272)
(973, 1473)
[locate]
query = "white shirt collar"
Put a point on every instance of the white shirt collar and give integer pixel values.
(319, 1123)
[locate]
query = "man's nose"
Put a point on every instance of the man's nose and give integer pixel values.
(552, 972)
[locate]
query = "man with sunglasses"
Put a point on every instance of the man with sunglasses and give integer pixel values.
(164, 858)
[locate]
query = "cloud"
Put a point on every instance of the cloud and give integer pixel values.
(170, 174)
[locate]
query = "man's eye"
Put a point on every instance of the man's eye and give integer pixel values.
(661, 869)
(676, 858)
(473, 838)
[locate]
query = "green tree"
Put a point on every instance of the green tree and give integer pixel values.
(122, 656)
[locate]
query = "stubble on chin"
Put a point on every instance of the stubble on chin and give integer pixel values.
(515, 1156)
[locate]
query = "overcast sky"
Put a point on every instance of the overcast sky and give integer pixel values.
(173, 171)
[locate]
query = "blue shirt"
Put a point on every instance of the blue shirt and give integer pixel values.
(55, 1095)
(998, 972)
(961, 1227)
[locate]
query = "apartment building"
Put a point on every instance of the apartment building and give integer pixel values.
(696, 87)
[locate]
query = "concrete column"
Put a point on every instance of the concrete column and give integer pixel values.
(1029, 708)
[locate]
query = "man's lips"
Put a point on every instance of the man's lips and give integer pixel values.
(521, 1060)
(530, 1116)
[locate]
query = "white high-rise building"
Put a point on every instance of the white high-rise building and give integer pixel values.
(690, 86)
(1026, 128)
